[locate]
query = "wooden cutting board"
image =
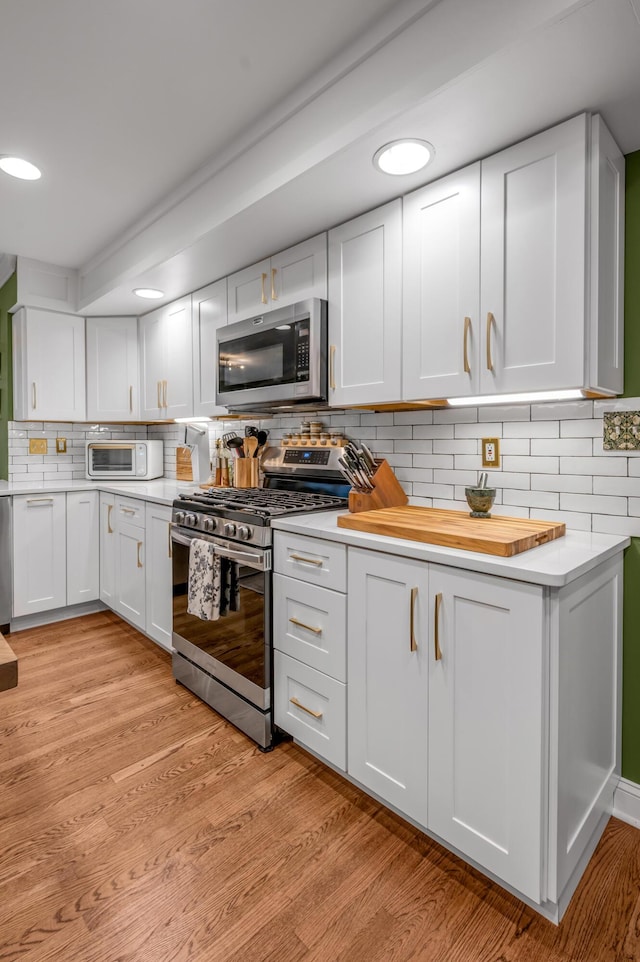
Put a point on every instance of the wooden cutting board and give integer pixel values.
(455, 529)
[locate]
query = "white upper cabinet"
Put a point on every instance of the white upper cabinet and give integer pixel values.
(365, 308)
(209, 312)
(166, 363)
(112, 369)
(48, 366)
(290, 276)
(513, 270)
(441, 300)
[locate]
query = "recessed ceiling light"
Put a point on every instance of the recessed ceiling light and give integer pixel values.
(150, 292)
(17, 167)
(403, 156)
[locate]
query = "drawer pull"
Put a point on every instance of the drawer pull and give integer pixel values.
(436, 627)
(465, 345)
(131, 399)
(413, 644)
(308, 561)
(39, 500)
(138, 546)
(109, 510)
(274, 296)
(128, 510)
(263, 294)
(490, 321)
(34, 396)
(309, 711)
(301, 624)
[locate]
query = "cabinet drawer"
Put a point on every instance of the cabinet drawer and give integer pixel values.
(309, 623)
(129, 509)
(312, 707)
(310, 559)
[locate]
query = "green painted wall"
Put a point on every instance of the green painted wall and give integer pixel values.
(8, 295)
(631, 648)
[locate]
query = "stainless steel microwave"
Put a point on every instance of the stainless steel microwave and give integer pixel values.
(275, 360)
(119, 460)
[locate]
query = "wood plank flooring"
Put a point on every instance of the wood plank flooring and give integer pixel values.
(138, 826)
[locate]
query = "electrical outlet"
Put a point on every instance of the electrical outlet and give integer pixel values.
(491, 452)
(61, 445)
(37, 445)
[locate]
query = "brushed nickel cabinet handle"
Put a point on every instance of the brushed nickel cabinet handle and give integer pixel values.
(274, 296)
(109, 510)
(308, 561)
(34, 396)
(465, 345)
(131, 399)
(413, 644)
(436, 627)
(301, 624)
(309, 711)
(263, 293)
(138, 546)
(332, 367)
(490, 322)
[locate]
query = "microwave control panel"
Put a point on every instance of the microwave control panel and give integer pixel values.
(302, 351)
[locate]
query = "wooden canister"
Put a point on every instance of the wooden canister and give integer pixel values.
(246, 473)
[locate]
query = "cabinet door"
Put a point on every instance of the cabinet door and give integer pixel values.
(533, 213)
(178, 373)
(441, 287)
(209, 312)
(248, 291)
(112, 369)
(152, 356)
(51, 376)
(365, 308)
(107, 549)
(387, 665)
(130, 573)
(486, 722)
(39, 554)
(299, 273)
(83, 558)
(159, 594)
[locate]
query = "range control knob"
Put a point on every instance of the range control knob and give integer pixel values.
(191, 520)
(209, 524)
(244, 533)
(179, 517)
(230, 529)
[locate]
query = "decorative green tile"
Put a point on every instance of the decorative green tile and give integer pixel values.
(621, 431)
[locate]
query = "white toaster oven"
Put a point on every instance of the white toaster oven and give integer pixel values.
(119, 460)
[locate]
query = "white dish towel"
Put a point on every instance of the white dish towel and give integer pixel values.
(204, 594)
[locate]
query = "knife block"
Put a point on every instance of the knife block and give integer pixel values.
(386, 493)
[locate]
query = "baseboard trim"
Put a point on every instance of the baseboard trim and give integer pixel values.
(626, 802)
(56, 614)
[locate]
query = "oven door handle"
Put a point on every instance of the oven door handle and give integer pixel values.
(261, 561)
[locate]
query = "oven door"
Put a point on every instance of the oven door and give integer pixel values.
(235, 649)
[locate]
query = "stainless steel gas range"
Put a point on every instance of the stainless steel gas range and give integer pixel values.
(227, 659)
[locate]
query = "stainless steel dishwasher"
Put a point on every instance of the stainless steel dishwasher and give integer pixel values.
(5, 563)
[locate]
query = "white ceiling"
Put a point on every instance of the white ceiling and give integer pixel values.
(181, 142)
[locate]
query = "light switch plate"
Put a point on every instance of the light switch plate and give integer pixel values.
(37, 445)
(61, 445)
(491, 452)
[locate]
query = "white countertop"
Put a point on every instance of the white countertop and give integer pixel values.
(554, 564)
(161, 491)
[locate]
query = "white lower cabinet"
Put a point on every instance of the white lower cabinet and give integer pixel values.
(485, 721)
(309, 638)
(130, 573)
(158, 579)
(83, 560)
(39, 553)
(107, 549)
(387, 669)
(483, 708)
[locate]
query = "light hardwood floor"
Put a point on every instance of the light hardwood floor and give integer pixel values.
(138, 826)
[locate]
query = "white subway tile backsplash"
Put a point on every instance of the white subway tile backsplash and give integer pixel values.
(553, 464)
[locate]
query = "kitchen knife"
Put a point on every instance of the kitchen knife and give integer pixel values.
(346, 471)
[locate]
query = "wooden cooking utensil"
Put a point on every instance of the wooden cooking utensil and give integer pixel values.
(250, 447)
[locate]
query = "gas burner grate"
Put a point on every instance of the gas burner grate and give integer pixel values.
(264, 502)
